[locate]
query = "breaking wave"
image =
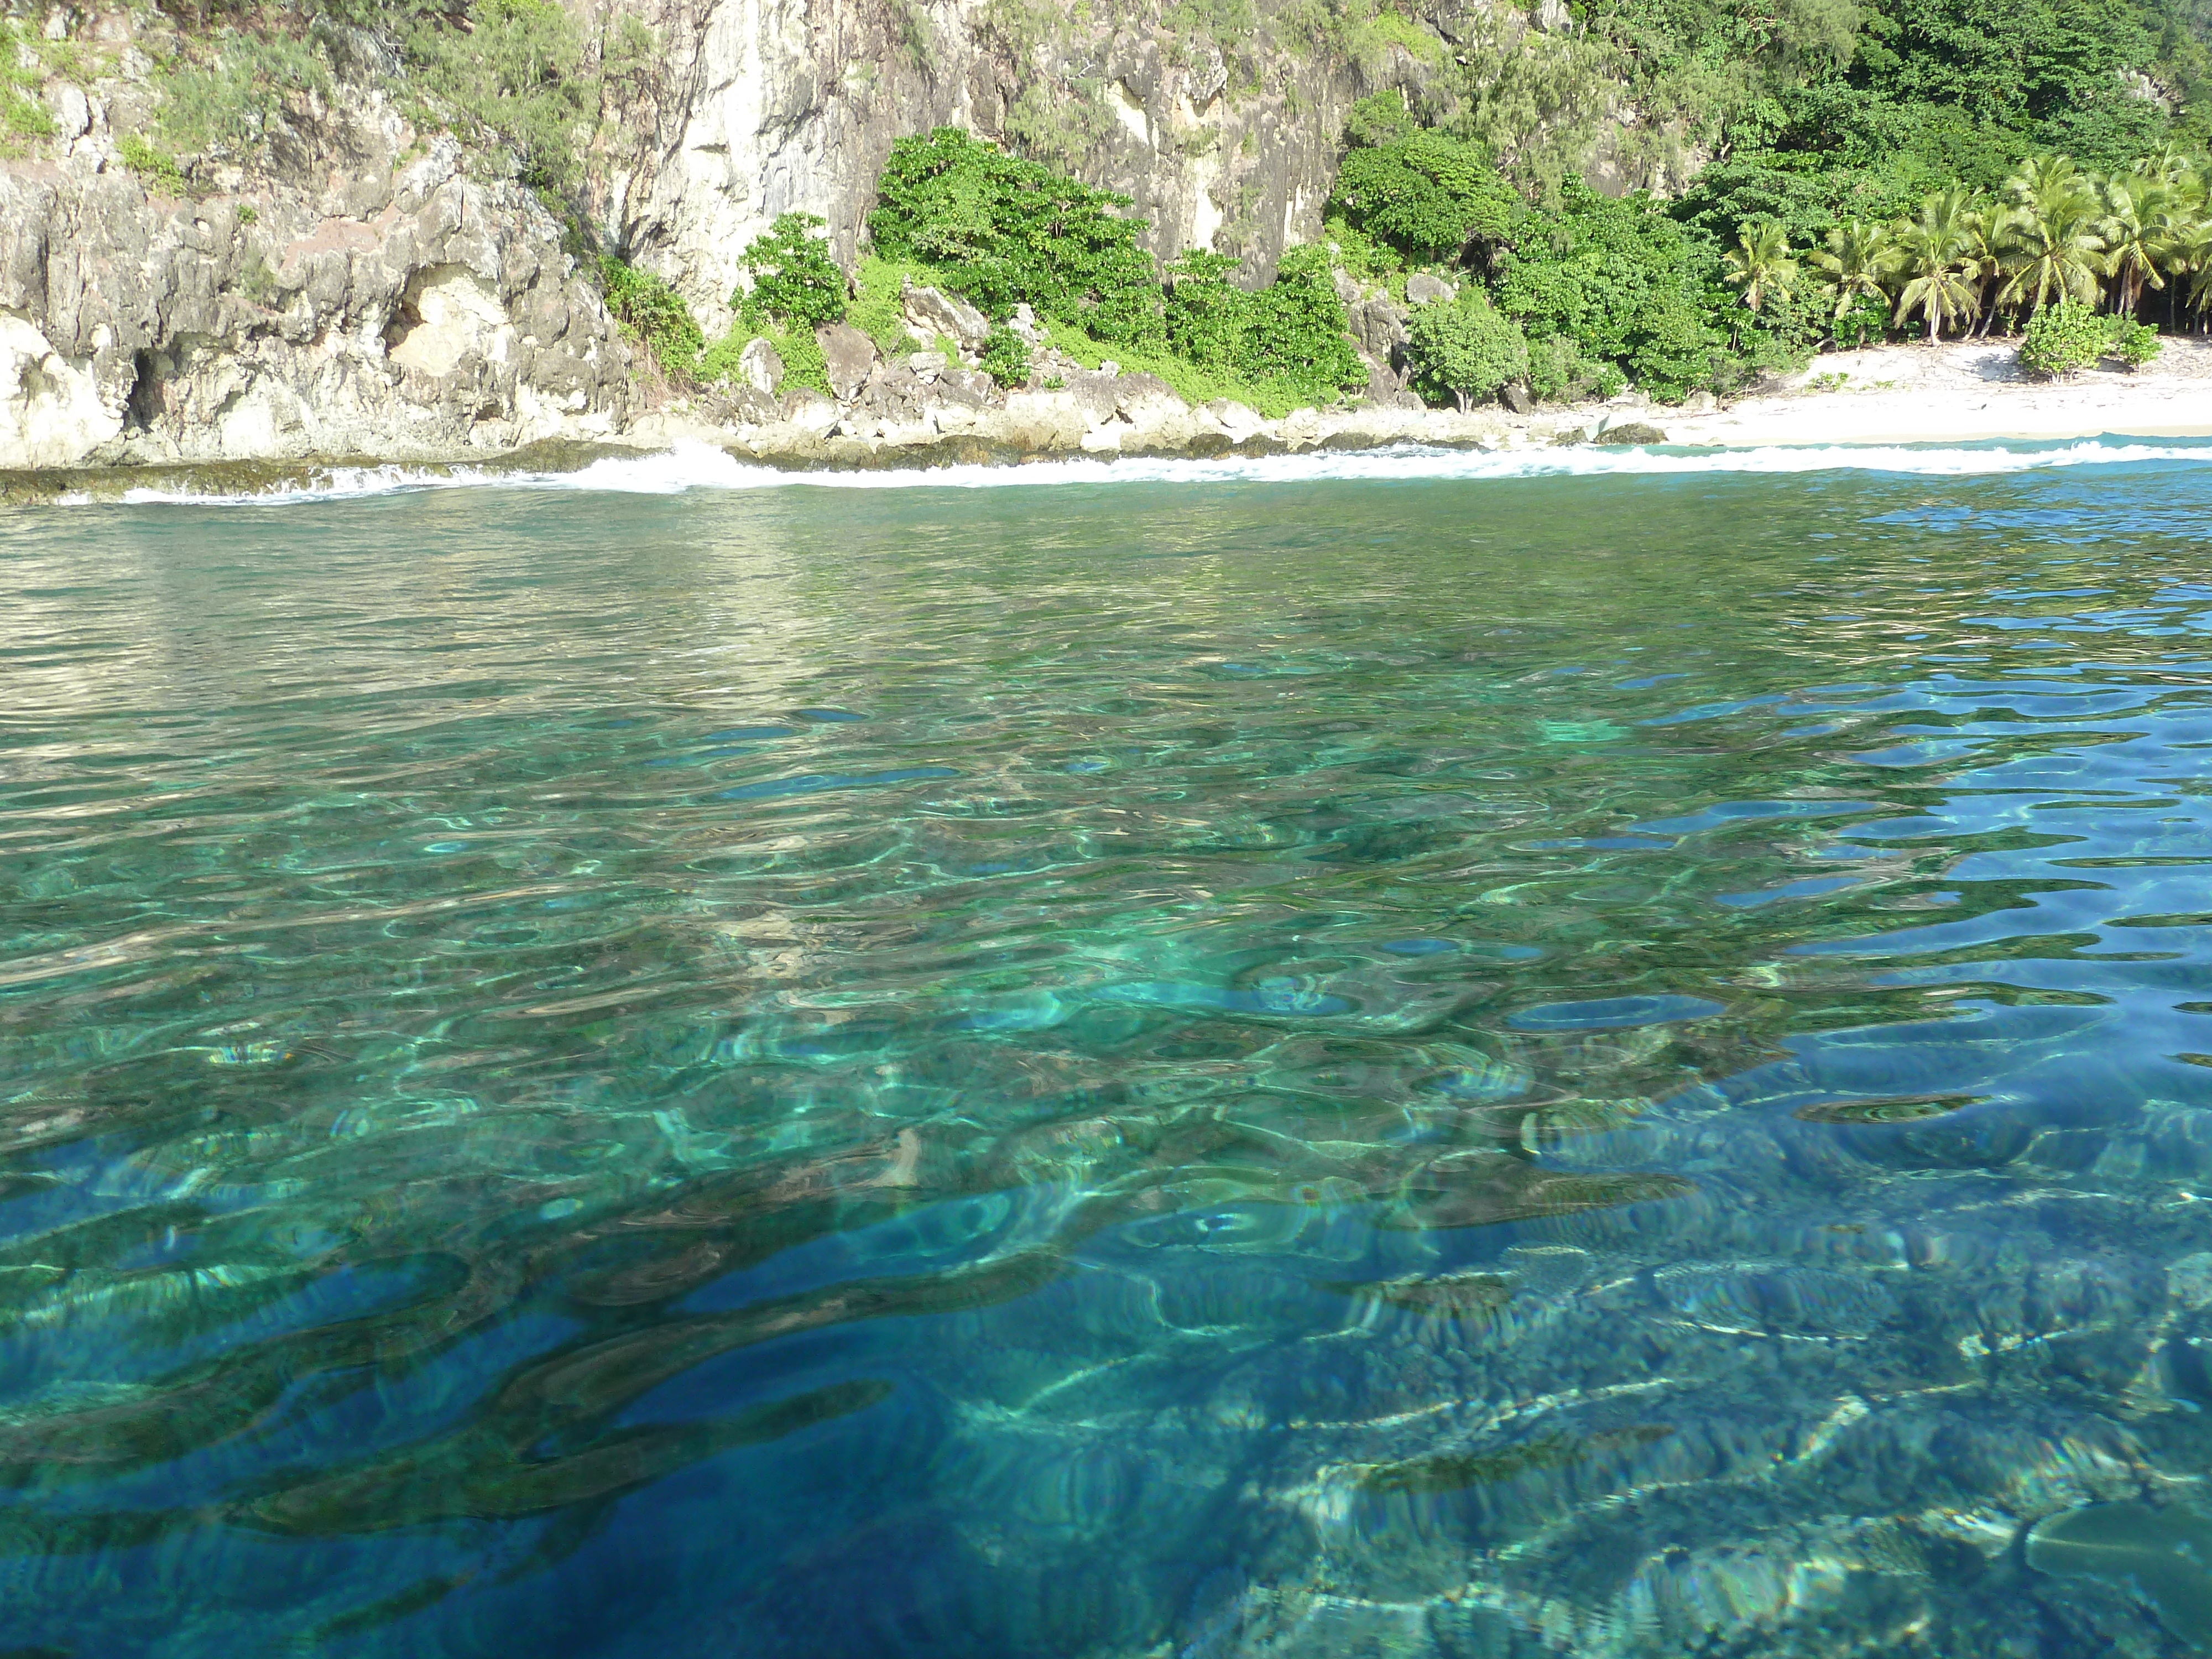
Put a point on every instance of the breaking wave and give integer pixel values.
(702, 467)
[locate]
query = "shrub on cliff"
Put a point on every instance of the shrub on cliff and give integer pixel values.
(21, 115)
(795, 280)
(1466, 347)
(516, 71)
(1005, 357)
(653, 315)
(1291, 331)
(1014, 231)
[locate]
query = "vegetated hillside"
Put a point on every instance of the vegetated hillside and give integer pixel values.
(1678, 193)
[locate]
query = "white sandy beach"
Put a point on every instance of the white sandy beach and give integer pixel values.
(1960, 392)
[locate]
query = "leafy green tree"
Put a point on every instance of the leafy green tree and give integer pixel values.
(1014, 231)
(1428, 196)
(1291, 331)
(1673, 348)
(1466, 347)
(1297, 329)
(795, 279)
(1207, 314)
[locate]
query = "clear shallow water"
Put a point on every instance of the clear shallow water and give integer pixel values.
(1426, 1064)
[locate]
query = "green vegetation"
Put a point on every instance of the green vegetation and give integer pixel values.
(654, 315)
(1005, 357)
(795, 282)
(1016, 233)
(1883, 168)
(879, 306)
(804, 364)
(1290, 333)
(219, 99)
(1650, 290)
(158, 170)
(21, 115)
(1629, 289)
(1000, 232)
(1467, 347)
(516, 73)
(2064, 338)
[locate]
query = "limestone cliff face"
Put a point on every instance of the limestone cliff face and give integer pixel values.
(414, 317)
(763, 106)
(357, 287)
(366, 296)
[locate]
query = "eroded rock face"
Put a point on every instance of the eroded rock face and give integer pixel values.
(930, 312)
(848, 354)
(766, 106)
(399, 313)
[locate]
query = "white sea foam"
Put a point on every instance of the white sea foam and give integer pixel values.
(693, 467)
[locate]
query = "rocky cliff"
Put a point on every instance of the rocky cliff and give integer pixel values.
(358, 283)
(360, 294)
(763, 106)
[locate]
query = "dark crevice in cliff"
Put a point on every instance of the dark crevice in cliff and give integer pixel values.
(144, 405)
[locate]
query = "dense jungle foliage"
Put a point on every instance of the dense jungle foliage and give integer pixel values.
(1926, 167)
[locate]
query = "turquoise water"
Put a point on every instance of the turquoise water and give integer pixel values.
(1425, 1062)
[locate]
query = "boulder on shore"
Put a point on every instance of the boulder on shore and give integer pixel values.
(760, 366)
(931, 311)
(848, 354)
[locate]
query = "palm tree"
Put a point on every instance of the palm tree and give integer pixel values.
(2042, 182)
(1761, 264)
(2138, 229)
(1858, 260)
(1983, 234)
(2191, 255)
(2167, 165)
(1932, 253)
(2052, 250)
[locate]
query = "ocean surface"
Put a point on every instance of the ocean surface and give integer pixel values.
(1453, 1056)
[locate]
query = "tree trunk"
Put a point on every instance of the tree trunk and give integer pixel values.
(1466, 403)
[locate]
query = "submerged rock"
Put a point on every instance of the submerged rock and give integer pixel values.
(2163, 1554)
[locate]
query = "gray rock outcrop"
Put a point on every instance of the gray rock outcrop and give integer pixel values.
(761, 367)
(930, 312)
(848, 356)
(396, 309)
